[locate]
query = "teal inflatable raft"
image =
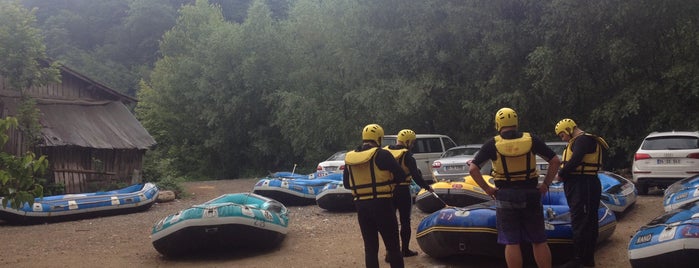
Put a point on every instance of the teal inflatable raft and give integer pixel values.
(229, 222)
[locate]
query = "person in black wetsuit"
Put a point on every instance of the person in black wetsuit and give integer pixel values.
(402, 197)
(582, 159)
(371, 173)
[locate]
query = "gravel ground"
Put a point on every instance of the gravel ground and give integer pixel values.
(316, 238)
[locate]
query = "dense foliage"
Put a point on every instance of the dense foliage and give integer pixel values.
(19, 175)
(22, 64)
(235, 88)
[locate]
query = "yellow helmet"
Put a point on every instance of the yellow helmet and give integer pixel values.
(566, 126)
(505, 117)
(406, 136)
(373, 132)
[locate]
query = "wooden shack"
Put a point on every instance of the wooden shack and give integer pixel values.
(89, 135)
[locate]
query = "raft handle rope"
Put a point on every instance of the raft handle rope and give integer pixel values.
(550, 213)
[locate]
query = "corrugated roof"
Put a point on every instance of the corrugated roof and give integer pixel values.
(102, 125)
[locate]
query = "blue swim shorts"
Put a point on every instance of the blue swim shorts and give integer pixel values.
(521, 223)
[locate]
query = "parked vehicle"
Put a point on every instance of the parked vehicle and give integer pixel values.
(428, 147)
(334, 164)
(664, 158)
(452, 165)
(556, 146)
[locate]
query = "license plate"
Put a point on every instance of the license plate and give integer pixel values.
(668, 161)
(543, 166)
(454, 168)
(330, 169)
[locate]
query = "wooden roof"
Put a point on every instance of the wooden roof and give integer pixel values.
(102, 125)
(100, 121)
(96, 124)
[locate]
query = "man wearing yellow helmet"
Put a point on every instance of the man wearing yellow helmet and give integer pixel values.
(403, 200)
(517, 193)
(371, 173)
(582, 158)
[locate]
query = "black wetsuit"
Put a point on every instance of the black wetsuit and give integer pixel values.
(583, 193)
(403, 200)
(377, 215)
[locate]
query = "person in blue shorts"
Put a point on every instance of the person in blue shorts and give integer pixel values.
(517, 191)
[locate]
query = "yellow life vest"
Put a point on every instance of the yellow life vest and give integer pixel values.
(515, 160)
(399, 155)
(366, 180)
(591, 162)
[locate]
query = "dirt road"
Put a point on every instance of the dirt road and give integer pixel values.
(316, 238)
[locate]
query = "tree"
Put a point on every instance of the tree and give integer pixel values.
(22, 54)
(22, 50)
(18, 174)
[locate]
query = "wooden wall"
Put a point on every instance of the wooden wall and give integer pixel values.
(87, 170)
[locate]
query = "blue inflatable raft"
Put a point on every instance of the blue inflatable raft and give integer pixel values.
(682, 192)
(618, 193)
(670, 240)
(229, 222)
(334, 196)
(67, 207)
(292, 189)
(471, 230)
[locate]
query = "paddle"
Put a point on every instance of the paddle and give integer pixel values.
(440, 200)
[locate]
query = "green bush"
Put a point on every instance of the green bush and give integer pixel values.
(172, 184)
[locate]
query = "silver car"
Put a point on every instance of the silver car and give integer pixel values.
(428, 147)
(664, 158)
(558, 147)
(452, 165)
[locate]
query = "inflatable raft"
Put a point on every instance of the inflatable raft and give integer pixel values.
(670, 240)
(334, 196)
(293, 190)
(56, 208)
(453, 193)
(618, 193)
(682, 192)
(229, 222)
(471, 230)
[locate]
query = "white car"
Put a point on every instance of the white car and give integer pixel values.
(558, 147)
(664, 158)
(334, 164)
(452, 165)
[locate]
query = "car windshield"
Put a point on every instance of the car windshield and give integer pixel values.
(339, 156)
(558, 149)
(671, 143)
(460, 151)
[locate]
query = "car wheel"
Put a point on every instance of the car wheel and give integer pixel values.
(642, 189)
